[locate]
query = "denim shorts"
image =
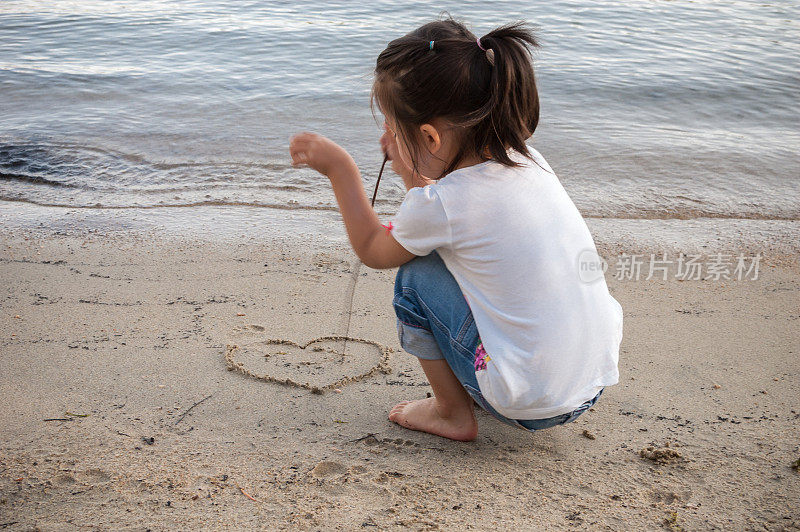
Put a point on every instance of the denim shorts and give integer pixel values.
(434, 322)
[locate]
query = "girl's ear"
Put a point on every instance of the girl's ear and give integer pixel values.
(431, 137)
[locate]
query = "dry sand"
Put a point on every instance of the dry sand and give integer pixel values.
(118, 410)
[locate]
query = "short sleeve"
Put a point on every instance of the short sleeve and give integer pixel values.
(421, 223)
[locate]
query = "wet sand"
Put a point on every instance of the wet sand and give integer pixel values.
(119, 410)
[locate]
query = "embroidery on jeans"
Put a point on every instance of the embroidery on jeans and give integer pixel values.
(481, 357)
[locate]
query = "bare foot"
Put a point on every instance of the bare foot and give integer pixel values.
(424, 415)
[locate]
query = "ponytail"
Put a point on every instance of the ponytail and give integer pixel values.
(511, 113)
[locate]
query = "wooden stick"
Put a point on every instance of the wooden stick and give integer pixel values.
(247, 494)
(190, 408)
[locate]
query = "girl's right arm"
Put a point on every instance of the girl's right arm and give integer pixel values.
(375, 247)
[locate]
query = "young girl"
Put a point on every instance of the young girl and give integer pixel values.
(489, 295)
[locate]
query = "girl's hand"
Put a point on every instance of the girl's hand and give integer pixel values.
(319, 153)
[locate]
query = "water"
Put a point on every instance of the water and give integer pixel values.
(653, 109)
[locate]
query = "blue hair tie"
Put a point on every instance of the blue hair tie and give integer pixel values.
(431, 48)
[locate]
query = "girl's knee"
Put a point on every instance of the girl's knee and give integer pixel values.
(425, 267)
(416, 280)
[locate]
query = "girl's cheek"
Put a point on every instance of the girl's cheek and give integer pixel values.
(404, 155)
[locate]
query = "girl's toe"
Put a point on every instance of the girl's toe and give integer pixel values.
(398, 408)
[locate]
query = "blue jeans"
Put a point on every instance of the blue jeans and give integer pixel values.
(435, 322)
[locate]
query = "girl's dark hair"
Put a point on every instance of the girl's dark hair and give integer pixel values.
(490, 95)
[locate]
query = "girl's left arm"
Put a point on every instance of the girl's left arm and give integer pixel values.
(373, 244)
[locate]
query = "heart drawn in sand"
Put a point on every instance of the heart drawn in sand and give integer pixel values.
(321, 357)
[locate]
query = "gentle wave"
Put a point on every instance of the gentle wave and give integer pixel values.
(211, 203)
(39, 180)
(68, 175)
(636, 214)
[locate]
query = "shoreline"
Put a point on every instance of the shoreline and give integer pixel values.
(129, 328)
(777, 240)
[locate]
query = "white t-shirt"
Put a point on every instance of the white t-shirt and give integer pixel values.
(512, 239)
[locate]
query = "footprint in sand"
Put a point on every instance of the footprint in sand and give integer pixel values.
(321, 364)
(64, 480)
(95, 476)
(327, 468)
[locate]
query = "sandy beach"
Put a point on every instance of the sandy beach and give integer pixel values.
(188, 342)
(119, 410)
